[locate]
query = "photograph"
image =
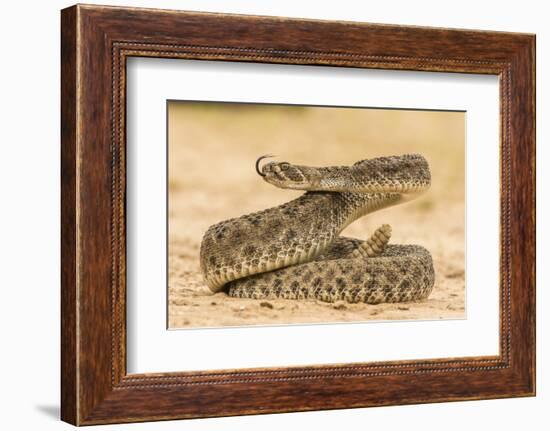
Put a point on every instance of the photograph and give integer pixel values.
(297, 214)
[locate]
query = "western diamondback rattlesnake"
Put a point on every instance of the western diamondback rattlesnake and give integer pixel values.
(295, 250)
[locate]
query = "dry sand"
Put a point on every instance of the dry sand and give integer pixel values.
(212, 149)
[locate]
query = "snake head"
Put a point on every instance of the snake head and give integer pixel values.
(288, 176)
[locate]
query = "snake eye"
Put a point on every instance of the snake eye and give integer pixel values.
(284, 166)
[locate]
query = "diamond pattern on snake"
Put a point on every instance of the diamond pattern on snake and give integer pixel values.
(295, 250)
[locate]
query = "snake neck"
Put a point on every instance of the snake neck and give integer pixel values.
(358, 205)
(339, 210)
(408, 175)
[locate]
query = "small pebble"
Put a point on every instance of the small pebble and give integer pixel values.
(455, 274)
(178, 302)
(266, 304)
(403, 308)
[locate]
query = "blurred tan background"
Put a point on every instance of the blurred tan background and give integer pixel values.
(212, 151)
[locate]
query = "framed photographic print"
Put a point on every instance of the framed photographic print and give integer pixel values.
(264, 214)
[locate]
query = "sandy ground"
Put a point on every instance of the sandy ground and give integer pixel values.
(212, 149)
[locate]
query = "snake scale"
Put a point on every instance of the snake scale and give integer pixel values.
(295, 250)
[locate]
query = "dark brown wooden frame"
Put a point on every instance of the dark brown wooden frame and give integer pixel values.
(95, 43)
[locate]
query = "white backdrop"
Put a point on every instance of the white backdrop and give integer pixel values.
(29, 225)
(151, 348)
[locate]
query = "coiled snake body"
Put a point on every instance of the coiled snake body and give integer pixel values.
(295, 250)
